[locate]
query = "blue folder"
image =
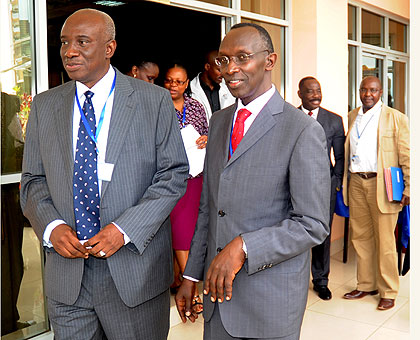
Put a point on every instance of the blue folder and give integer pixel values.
(397, 183)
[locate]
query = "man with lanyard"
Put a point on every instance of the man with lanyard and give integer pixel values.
(209, 88)
(378, 138)
(103, 166)
(265, 203)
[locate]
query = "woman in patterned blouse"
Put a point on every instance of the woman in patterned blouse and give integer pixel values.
(184, 215)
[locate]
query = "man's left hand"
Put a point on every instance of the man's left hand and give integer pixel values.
(405, 200)
(223, 269)
(108, 241)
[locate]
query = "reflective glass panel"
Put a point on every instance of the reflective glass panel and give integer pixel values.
(16, 80)
(23, 313)
(351, 13)
(372, 66)
(353, 86)
(397, 36)
(396, 85)
(277, 34)
(226, 3)
(372, 29)
(272, 8)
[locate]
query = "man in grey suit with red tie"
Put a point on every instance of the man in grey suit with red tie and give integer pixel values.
(264, 203)
(104, 164)
(311, 96)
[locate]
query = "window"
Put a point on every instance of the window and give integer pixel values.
(274, 8)
(351, 22)
(397, 36)
(372, 29)
(380, 50)
(23, 313)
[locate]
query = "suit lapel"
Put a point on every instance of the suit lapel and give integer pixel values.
(261, 125)
(122, 111)
(64, 123)
(322, 118)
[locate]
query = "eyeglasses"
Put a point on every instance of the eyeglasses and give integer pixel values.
(174, 81)
(365, 90)
(239, 59)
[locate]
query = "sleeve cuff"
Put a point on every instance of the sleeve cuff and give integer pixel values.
(126, 238)
(48, 230)
(190, 278)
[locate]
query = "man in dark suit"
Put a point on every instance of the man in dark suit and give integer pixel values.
(311, 96)
(264, 203)
(99, 195)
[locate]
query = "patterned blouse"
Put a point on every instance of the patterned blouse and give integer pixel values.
(194, 115)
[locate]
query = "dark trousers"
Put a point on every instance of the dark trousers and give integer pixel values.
(321, 253)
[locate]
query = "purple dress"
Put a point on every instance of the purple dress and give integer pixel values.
(184, 215)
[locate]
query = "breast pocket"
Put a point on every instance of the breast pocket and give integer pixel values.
(388, 142)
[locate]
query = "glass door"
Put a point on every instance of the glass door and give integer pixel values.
(23, 313)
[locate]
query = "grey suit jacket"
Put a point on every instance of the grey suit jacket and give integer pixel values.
(149, 177)
(274, 191)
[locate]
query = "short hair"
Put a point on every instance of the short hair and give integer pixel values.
(109, 23)
(265, 36)
(302, 81)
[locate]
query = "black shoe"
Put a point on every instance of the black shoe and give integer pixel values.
(323, 292)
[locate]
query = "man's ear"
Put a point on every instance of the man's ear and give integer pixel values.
(207, 66)
(299, 94)
(271, 61)
(110, 48)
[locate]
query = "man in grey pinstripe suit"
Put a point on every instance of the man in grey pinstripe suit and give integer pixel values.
(115, 285)
(263, 205)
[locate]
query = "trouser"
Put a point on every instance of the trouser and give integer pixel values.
(373, 238)
(99, 312)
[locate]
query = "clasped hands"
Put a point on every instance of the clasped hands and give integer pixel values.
(218, 282)
(405, 200)
(107, 241)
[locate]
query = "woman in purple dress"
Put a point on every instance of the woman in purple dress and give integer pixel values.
(184, 215)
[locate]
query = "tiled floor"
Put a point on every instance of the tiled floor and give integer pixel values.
(338, 318)
(327, 320)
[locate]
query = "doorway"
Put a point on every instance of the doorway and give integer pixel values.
(143, 30)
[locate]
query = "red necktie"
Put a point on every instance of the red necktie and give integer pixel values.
(310, 113)
(238, 128)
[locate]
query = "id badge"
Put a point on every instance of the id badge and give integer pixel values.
(355, 159)
(105, 171)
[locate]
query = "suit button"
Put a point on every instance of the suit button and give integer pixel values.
(221, 213)
(219, 250)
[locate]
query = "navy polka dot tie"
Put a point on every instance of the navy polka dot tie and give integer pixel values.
(238, 128)
(85, 178)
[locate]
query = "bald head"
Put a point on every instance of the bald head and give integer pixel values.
(90, 13)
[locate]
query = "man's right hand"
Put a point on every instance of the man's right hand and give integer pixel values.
(184, 299)
(66, 243)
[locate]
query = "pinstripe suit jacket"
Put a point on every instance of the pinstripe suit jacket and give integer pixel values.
(149, 177)
(275, 192)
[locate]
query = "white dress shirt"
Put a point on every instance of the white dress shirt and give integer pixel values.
(314, 112)
(364, 140)
(100, 98)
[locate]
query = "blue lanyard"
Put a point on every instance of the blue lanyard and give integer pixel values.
(183, 117)
(357, 129)
(101, 118)
(230, 139)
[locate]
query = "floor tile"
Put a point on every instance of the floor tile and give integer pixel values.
(389, 334)
(187, 331)
(363, 310)
(400, 321)
(318, 326)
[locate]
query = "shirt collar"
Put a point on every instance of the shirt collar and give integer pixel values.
(258, 103)
(314, 111)
(376, 108)
(101, 88)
